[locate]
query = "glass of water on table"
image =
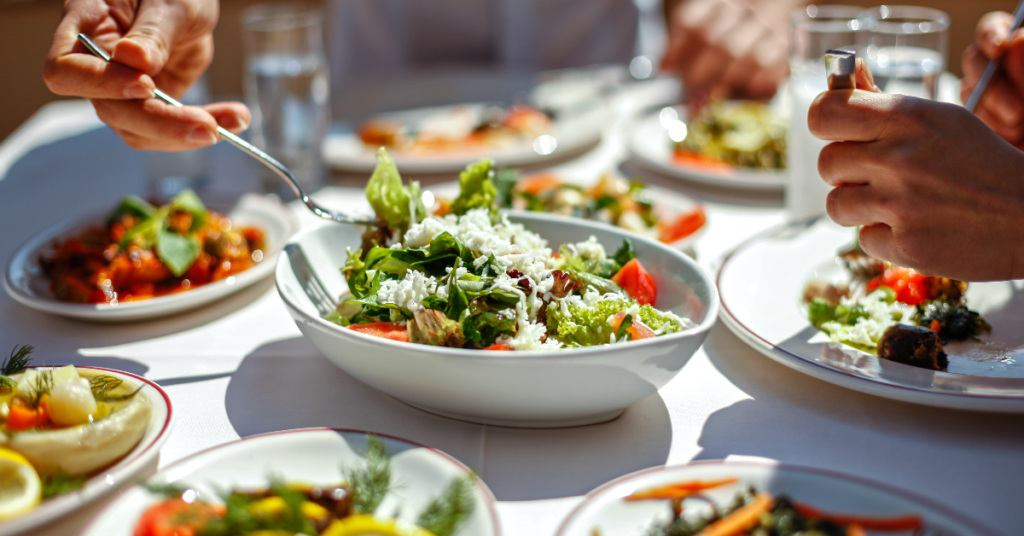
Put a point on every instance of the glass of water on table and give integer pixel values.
(286, 87)
(906, 48)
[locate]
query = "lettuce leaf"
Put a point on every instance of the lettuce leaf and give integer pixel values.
(395, 204)
(588, 326)
(476, 189)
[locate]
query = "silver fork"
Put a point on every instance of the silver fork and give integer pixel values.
(252, 150)
(311, 284)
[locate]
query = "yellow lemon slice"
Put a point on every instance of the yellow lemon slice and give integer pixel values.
(20, 487)
(365, 525)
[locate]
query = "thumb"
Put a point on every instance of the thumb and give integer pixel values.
(992, 32)
(157, 28)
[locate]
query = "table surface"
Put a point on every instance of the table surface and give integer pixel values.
(231, 368)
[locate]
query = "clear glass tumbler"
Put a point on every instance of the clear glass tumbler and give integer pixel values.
(906, 48)
(287, 89)
(168, 173)
(813, 30)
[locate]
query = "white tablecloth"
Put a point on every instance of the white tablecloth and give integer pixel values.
(240, 367)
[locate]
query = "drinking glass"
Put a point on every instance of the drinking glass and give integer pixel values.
(906, 48)
(168, 173)
(286, 87)
(813, 30)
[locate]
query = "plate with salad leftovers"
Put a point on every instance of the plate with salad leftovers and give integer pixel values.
(447, 138)
(658, 214)
(141, 260)
(71, 435)
(719, 498)
(734, 144)
(806, 295)
(313, 482)
(507, 318)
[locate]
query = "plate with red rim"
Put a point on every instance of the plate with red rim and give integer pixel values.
(25, 282)
(649, 144)
(603, 511)
(313, 456)
(761, 283)
(129, 469)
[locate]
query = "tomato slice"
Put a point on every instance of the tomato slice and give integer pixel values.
(499, 347)
(176, 518)
(537, 184)
(637, 283)
(384, 330)
(683, 225)
(637, 330)
(909, 286)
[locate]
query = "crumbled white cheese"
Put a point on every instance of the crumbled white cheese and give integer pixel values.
(590, 249)
(409, 292)
(530, 334)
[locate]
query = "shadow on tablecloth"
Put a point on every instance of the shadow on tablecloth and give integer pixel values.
(289, 384)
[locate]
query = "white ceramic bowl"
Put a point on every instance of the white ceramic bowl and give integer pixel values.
(529, 389)
(315, 456)
(25, 282)
(604, 510)
(140, 460)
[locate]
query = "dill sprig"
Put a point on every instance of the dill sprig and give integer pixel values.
(370, 483)
(17, 361)
(445, 514)
(101, 384)
(165, 490)
(61, 483)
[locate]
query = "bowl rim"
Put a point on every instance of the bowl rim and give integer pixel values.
(592, 495)
(478, 482)
(710, 316)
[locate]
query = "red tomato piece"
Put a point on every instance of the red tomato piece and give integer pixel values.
(638, 330)
(176, 518)
(499, 347)
(384, 330)
(683, 225)
(637, 283)
(909, 286)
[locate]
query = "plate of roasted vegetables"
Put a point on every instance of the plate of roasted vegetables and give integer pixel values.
(447, 138)
(313, 482)
(735, 144)
(142, 260)
(514, 318)
(733, 498)
(71, 435)
(630, 204)
(808, 296)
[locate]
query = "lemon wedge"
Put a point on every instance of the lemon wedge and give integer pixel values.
(365, 525)
(20, 487)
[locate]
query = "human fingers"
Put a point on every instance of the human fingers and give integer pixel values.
(185, 66)
(71, 70)
(855, 204)
(855, 115)
(851, 162)
(233, 116)
(1011, 133)
(991, 33)
(162, 126)
(687, 33)
(161, 26)
(865, 80)
(1001, 98)
(879, 241)
(741, 45)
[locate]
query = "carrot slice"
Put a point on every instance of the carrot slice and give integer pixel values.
(536, 184)
(22, 417)
(881, 524)
(677, 491)
(742, 519)
(637, 330)
(499, 347)
(384, 330)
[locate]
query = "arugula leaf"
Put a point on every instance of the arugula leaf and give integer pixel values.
(482, 329)
(504, 182)
(623, 334)
(132, 205)
(371, 482)
(176, 251)
(624, 254)
(457, 299)
(476, 189)
(445, 514)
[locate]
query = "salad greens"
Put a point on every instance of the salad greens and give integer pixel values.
(171, 230)
(395, 204)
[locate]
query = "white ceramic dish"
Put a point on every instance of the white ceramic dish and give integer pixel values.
(345, 151)
(761, 283)
(25, 282)
(316, 456)
(668, 202)
(603, 509)
(129, 469)
(648, 143)
(530, 389)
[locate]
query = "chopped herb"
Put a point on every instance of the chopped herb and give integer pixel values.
(371, 483)
(17, 361)
(165, 490)
(102, 384)
(623, 334)
(445, 514)
(61, 483)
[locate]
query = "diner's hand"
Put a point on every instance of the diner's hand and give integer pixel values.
(933, 187)
(1002, 105)
(153, 43)
(729, 48)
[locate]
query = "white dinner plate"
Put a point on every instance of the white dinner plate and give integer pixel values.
(140, 459)
(604, 510)
(25, 282)
(345, 151)
(315, 456)
(668, 202)
(761, 284)
(649, 144)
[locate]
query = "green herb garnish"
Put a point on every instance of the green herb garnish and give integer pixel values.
(61, 483)
(17, 361)
(445, 514)
(370, 483)
(101, 384)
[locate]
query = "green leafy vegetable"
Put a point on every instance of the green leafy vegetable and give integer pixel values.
(176, 251)
(623, 334)
(476, 189)
(432, 327)
(586, 326)
(18, 360)
(61, 483)
(395, 204)
(188, 201)
(373, 481)
(101, 384)
(165, 490)
(445, 514)
(132, 205)
(624, 254)
(820, 311)
(504, 182)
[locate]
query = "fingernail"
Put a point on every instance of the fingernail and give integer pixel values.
(138, 91)
(242, 124)
(202, 136)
